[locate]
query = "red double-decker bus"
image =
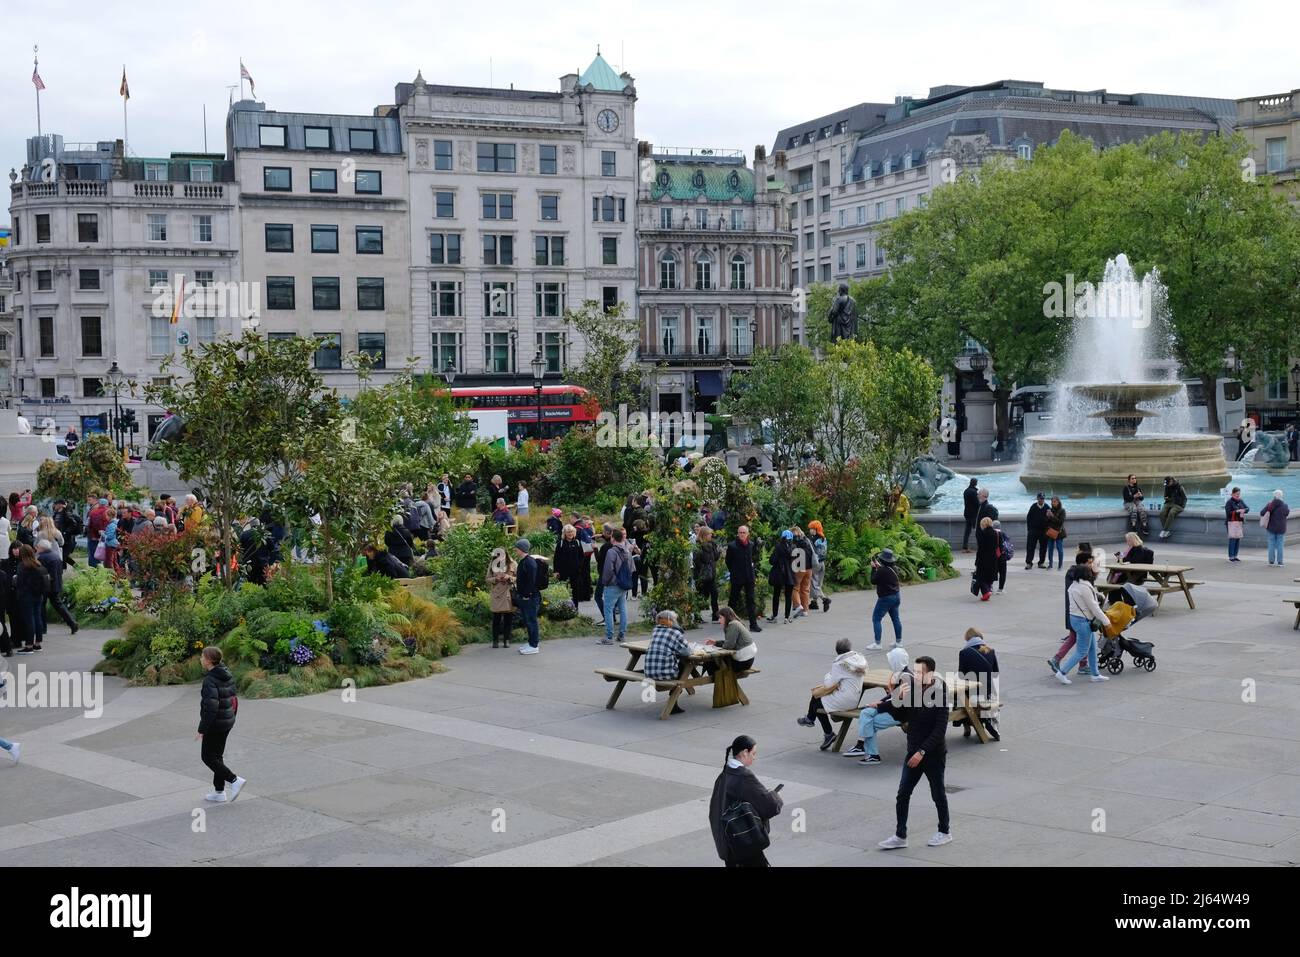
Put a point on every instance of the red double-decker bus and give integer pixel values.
(562, 407)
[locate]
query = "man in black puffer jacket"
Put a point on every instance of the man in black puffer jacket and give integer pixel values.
(218, 705)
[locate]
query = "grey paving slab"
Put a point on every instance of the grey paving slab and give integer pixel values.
(378, 797)
(31, 793)
(502, 772)
(1230, 832)
(1178, 780)
(605, 796)
(480, 827)
(1276, 794)
(103, 849)
(351, 846)
(233, 828)
(403, 749)
(1076, 807)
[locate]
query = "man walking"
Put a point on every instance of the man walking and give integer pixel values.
(616, 577)
(69, 525)
(218, 705)
(1036, 527)
(529, 599)
(888, 596)
(970, 509)
(927, 721)
(741, 559)
(51, 560)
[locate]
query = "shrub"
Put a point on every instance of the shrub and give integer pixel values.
(291, 587)
(433, 628)
(464, 556)
(542, 542)
(88, 594)
(240, 646)
(167, 646)
(472, 609)
(580, 468)
(563, 610)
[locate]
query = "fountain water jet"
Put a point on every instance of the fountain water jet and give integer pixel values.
(1120, 336)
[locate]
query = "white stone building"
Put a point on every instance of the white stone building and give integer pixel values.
(324, 233)
(522, 205)
(98, 243)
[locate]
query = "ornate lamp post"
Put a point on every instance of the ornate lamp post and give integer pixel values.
(539, 373)
(115, 378)
(449, 373)
(1295, 384)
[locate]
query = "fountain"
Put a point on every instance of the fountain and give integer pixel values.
(1119, 359)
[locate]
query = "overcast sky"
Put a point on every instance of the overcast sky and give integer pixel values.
(707, 74)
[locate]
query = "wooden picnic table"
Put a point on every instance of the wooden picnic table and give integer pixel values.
(1167, 578)
(965, 708)
(691, 676)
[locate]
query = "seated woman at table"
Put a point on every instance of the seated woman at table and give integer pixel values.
(735, 637)
(1134, 553)
(977, 661)
(839, 690)
(663, 658)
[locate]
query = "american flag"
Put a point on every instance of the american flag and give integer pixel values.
(245, 75)
(36, 80)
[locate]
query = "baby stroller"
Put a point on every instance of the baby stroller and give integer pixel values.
(1139, 604)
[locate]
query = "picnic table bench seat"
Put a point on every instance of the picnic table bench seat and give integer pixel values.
(1296, 602)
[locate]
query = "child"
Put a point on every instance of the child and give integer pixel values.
(218, 705)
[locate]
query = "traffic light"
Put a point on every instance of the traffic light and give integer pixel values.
(129, 423)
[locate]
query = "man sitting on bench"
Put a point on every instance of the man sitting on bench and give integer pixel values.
(888, 712)
(663, 659)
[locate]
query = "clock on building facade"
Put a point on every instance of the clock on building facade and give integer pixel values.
(607, 120)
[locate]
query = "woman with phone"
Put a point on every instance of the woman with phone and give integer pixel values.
(741, 808)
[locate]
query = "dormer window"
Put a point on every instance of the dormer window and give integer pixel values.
(698, 179)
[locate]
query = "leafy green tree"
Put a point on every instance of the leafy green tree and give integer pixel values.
(905, 403)
(607, 369)
(413, 419)
(777, 392)
(95, 467)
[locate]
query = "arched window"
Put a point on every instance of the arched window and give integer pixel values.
(738, 270)
(668, 272)
(703, 271)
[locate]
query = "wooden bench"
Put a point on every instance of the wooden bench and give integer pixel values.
(411, 583)
(961, 717)
(1154, 588)
(1296, 602)
(687, 682)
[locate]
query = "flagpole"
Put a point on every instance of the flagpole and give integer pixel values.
(126, 139)
(205, 127)
(36, 63)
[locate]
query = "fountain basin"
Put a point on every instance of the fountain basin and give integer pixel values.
(1100, 465)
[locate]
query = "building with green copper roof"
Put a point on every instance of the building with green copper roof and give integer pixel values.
(601, 76)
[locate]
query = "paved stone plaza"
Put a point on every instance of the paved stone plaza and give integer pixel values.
(512, 760)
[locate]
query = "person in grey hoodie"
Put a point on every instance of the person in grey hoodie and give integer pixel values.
(839, 691)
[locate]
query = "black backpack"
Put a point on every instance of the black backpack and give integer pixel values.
(742, 828)
(543, 572)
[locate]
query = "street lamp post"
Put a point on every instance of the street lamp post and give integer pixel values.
(753, 335)
(449, 372)
(539, 371)
(514, 355)
(115, 377)
(1295, 384)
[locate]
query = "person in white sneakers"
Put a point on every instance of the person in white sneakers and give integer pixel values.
(218, 705)
(1084, 609)
(927, 721)
(839, 690)
(13, 748)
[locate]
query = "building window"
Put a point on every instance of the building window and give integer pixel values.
(498, 249)
(446, 351)
(1277, 390)
(498, 206)
(45, 326)
(496, 157)
(362, 141)
(826, 204)
(160, 336)
(442, 154)
(550, 207)
(205, 328)
(551, 299)
(737, 219)
(860, 256)
(547, 160)
(704, 335)
(155, 172)
(157, 227)
(498, 298)
(370, 293)
(157, 281)
(549, 251)
(445, 203)
(609, 298)
(741, 344)
(608, 209)
(325, 292)
(665, 218)
(277, 179)
(668, 335)
(324, 239)
(921, 200)
(839, 259)
(880, 255)
(862, 215)
(1275, 155)
(668, 272)
(48, 388)
(607, 165)
(446, 298)
(324, 181)
(91, 387)
(279, 292)
(202, 228)
(272, 136)
(739, 280)
(279, 237)
(880, 212)
(840, 222)
(42, 227)
(703, 271)
(900, 205)
(87, 228)
(92, 343)
(551, 346)
(496, 352)
(200, 172)
(374, 344)
(809, 242)
(329, 352)
(87, 278)
(316, 137)
(368, 181)
(826, 239)
(444, 249)
(370, 240)
(826, 272)
(609, 250)
(701, 219)
(44, 280)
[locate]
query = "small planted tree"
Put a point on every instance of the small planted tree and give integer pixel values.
(606, 369)
(777, 392)
(95, 467)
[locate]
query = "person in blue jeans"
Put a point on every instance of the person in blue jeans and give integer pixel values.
(616, 577)
(888, 598)
(1085, 608)
(883, 714)
(1277, 511)
(529, 595)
